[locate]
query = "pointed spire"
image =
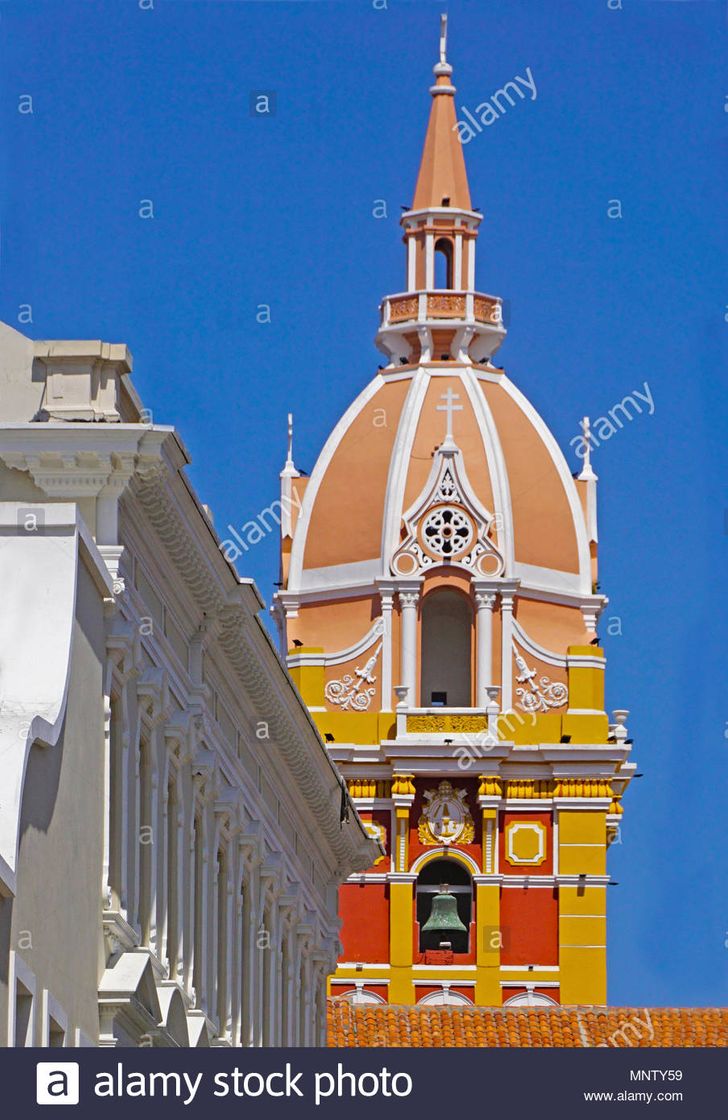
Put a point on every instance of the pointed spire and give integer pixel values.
(442, 174)
(287, 476)
(289, 468)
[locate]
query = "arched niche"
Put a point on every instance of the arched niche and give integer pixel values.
(446, 637)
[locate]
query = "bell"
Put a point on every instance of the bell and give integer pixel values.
(444, 914)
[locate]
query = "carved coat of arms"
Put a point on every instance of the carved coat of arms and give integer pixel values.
(445, 818)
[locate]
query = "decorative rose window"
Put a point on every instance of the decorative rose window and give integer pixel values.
(447, 531)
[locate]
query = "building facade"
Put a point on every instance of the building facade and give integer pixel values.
(172, 830)
(439, 605)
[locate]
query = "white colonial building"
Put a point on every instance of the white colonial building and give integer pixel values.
(171, 832)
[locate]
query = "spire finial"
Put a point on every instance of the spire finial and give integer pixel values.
(290, 438)
(289, 468)
(587, 471)
(442, 68)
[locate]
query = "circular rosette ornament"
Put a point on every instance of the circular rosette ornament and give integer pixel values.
(447, 531)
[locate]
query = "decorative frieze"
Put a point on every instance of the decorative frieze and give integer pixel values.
(583, 787)
(529, 788)
(437, 724)
(369, 787)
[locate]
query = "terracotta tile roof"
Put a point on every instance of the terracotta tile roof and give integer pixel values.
(382, 1025)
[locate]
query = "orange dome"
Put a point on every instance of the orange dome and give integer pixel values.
(375, 467)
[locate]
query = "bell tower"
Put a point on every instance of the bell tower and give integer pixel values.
(438, 611)
(440, 315)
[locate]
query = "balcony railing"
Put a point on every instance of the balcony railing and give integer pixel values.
(423, 306)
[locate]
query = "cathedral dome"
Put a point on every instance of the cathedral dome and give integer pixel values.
(375, 469)
(439, 495)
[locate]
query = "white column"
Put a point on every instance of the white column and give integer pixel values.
(187, 899)
(238, 962)
(457, 279)
(177, 951)
(109, 807)
(163, 864)
(295, 971)
(386, 599)
(484, 603)
(308, 1006)
(214, 924)
(249, 968)
(135, 801)
(471, 264)
(408, 599)
(506, 651)
(429, 261)
(278, 981)
(411, 264)
(159, 836)
(230, 948)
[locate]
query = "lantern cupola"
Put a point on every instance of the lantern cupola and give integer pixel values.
(440, 316)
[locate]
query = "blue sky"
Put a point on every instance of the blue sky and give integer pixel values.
(132, 103)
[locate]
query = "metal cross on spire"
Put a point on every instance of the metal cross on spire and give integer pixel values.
(449, 407)
(443, 37)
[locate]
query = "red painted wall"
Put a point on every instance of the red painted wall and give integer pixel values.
(364, 912)
(529, 925)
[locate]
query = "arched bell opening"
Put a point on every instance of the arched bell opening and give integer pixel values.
(446, 640)
(444, 899)
(443, 264)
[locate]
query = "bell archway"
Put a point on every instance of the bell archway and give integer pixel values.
(444, 902)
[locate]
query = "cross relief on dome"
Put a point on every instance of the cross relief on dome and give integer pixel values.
(447, 524)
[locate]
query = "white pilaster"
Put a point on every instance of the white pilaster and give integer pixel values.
(387, 598)
(507, 599)
(457, 280)
(411, 264)
(408, 600)
(430, 261)
(484, 602)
